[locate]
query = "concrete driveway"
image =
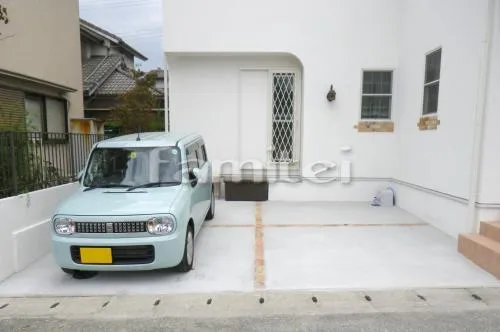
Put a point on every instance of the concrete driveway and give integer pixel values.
(274, 246)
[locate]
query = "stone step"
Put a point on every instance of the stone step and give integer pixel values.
(491, 230)
(481, 250)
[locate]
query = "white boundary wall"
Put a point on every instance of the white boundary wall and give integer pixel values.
(25, 224)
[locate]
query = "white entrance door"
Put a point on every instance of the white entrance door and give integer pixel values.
(269, 128)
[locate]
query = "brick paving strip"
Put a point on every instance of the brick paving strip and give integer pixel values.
(314, 225)
(260, 273)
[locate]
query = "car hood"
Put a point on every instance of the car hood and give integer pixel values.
(118, 202)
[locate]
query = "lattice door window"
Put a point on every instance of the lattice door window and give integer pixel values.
(283, 118)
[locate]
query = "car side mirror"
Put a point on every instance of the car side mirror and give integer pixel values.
(193, 176)
(196, 172)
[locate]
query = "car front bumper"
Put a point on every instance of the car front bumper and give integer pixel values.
(168, 252)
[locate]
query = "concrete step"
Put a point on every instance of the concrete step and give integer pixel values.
(491, 230)
(481, 250)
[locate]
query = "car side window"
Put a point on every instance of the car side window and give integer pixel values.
(192, 160)
(204, 152)
(201, 155)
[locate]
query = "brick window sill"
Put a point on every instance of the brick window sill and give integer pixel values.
(428, 123)
(367, 126)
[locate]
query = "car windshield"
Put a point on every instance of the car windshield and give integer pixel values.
(132, 167)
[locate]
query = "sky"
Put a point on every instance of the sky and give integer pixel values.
(137, 22)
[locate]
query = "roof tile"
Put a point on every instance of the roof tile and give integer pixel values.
(117, 83)
(97, 68)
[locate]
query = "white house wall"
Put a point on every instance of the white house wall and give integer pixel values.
(204, 89)
(334, 40)
(441, 160)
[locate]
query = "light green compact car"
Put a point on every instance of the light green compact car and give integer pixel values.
(142, 201)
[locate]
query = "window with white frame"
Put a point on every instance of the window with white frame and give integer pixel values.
(376, 95)
(431, 86)
(283, 117)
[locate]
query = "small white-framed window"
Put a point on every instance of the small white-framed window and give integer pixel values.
(284, 124)
(431, 84)
(376, 103)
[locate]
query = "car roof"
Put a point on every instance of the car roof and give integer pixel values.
(148, 139)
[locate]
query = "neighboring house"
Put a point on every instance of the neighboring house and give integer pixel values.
(107, 65)
(40, 72)
(41, 100)
(416, 104)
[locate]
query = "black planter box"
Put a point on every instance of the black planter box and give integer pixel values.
(246, 191)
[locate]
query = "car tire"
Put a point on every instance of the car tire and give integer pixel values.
(211, 213)
(186, 264)
(77, 274)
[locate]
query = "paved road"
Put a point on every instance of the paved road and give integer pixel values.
(488, 320)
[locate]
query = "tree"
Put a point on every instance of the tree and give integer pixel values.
(4, 18)
(136, 109)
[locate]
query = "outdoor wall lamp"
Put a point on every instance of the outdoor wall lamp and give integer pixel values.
(331, 94)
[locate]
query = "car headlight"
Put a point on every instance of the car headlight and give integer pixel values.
(64, 226)
(161, 225)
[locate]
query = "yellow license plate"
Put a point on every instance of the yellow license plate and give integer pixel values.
(96, 256)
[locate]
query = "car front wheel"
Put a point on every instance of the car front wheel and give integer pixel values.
(186, 264)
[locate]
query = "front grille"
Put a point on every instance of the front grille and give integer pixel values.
(123, 255)
(111, 227)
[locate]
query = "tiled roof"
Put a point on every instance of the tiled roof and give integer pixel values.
(105, 76)
(97, 69)
(90, 66)
(117, 83)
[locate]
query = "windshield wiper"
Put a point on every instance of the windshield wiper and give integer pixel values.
(106, 186)
(153, 184)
